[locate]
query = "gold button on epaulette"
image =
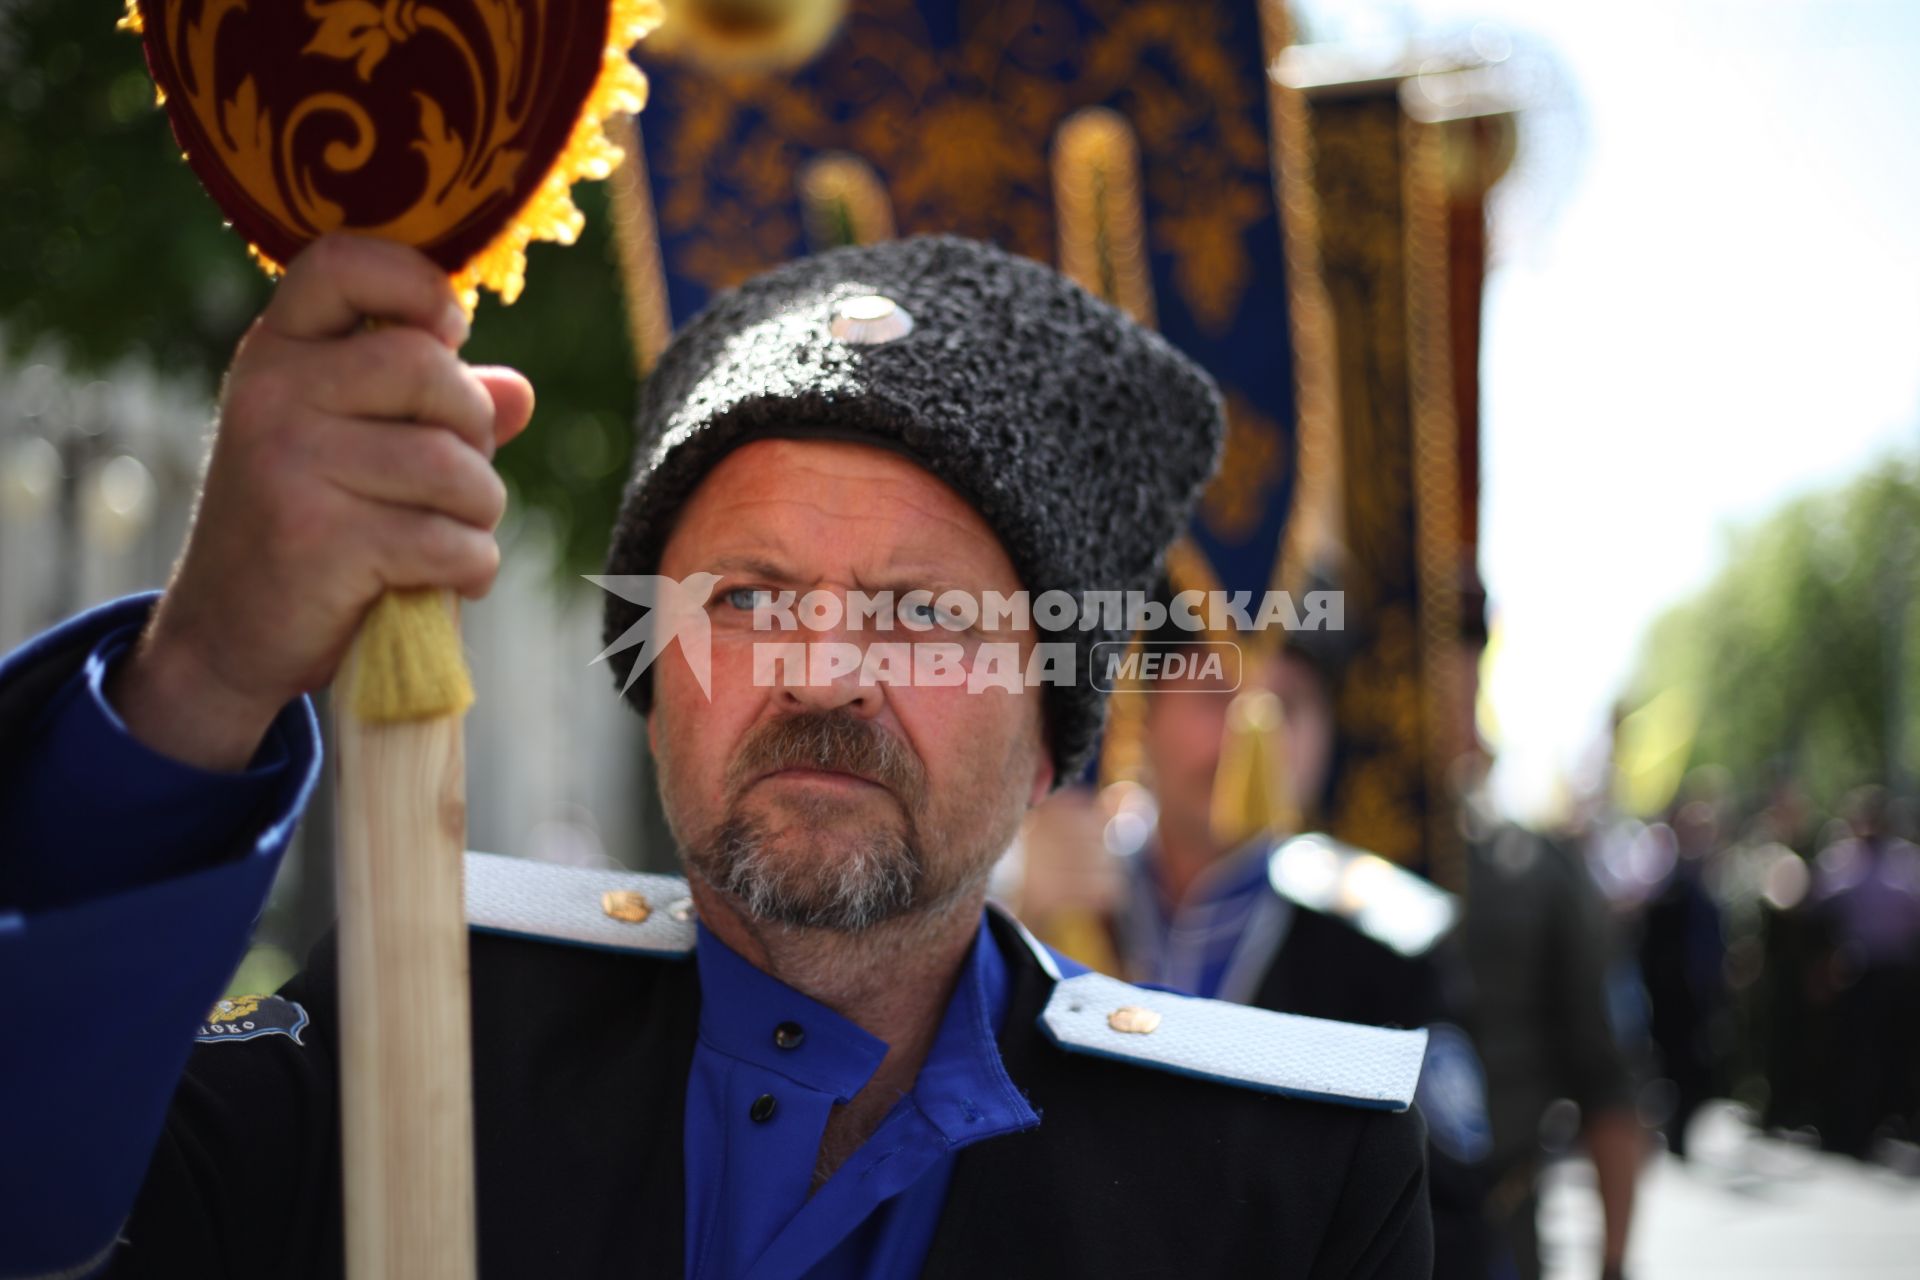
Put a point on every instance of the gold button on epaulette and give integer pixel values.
(626, 904)
(1133, 1020)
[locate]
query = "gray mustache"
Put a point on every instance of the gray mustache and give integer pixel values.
(834, 741)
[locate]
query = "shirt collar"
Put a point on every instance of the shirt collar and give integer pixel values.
(743, 1011)
(1234, 875)
(963, 1087)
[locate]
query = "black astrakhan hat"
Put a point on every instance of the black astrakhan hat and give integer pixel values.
(1081, 437)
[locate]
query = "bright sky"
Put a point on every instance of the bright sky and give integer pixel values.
(1722, 311)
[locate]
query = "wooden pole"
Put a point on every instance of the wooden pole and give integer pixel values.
(406, 1092)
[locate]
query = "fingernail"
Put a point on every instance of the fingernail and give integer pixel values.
(455, 325)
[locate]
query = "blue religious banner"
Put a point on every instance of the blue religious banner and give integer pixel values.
(1128, 142)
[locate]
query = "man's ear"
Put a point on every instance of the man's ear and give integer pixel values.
(1043, 769)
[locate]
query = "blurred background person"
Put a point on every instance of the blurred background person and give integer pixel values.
(1866, 901)
(1537, 948)
(1220, 899)
(1535, 940)
(1205, 908)
(1683, 965)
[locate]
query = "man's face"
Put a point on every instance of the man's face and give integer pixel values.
(1181, 738)
(1185, 728)
(844, 803)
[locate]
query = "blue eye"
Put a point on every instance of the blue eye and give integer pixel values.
(747, 599)
(919, 612)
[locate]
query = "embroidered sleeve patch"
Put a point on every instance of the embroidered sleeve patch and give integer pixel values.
(245, 1017)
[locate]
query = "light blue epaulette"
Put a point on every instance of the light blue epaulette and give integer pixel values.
(1385, 901)
(1284, 1053)
(613, 910)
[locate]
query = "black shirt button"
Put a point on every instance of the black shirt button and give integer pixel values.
(788, 1035)
(762, 1109)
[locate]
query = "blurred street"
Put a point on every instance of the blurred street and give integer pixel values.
(1743, 1206)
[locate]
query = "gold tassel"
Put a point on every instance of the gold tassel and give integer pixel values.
(843, 202)
(1097, 203)
(1251, 795)
(407, 663)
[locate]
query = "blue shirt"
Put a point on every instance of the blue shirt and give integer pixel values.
(129, 884)
(769, 1067)
(1217, 941)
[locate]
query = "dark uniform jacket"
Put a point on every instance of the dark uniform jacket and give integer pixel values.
(1326, 968)
(581, 1059)
(1536, 945)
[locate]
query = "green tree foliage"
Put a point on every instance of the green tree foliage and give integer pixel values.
(109, 247)
(568, 333)
(1801, 657)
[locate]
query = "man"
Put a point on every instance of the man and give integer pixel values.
(1535, 941)
(1208, 910)
(1537, 952)
(1303, 925)
(861, 1072)
(1866, 904)
(1683, 962)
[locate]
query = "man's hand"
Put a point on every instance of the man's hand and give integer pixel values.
(348, 460)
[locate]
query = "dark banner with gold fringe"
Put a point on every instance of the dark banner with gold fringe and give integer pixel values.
(1388, 214)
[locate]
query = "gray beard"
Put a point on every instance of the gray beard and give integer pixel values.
(882, 878)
